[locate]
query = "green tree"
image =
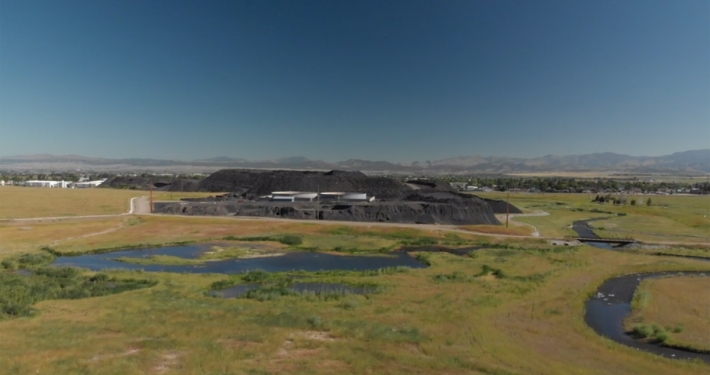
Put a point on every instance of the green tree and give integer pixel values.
(648, 202)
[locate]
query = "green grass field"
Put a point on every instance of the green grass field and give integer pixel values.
(668, 219)
(515, 307)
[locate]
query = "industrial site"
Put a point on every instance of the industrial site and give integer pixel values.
(310, 195)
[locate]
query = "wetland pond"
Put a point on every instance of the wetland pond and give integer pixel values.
(288, 261)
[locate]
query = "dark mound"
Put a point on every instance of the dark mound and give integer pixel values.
(393, 212)
(499, 206)
(144, 183)
(255, 183)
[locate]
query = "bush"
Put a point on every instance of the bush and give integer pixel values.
(9, 264)
(642, 331)
(256, 276)
(18, 293)
(291, 240)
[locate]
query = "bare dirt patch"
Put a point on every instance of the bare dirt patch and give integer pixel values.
(166, 362)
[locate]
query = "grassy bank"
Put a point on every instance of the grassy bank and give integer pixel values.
(668, 218)
(674, 311)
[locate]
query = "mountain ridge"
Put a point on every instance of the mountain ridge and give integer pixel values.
(692, 161)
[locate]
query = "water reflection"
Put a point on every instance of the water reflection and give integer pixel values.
(291, 261)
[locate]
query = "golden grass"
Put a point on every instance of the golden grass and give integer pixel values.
(514, 230)
(28, 202)
(532, 324)
(415, 326)
(679, 304)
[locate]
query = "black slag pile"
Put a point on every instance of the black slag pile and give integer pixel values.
(423, 202)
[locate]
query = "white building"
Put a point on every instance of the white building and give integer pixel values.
(87, 184)
(49, 184)
(299, 196)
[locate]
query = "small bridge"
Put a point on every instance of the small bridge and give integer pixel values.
(620, 241)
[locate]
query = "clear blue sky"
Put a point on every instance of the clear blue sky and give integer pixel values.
(379, 80)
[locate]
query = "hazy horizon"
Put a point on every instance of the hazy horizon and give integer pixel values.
(339, 160)
(374, 80)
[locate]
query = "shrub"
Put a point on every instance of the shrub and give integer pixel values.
(642, 331)
(19, 293)
(9, 264)
(256, 276)
(291, 240)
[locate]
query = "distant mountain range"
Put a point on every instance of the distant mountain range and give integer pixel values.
(691, 162)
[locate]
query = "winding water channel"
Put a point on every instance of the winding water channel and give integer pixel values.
(606, 311)
(611, 305)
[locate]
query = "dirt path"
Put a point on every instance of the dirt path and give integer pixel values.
(105, 231)
(511, 217)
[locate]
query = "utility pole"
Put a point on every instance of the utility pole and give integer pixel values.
(507, 208)
(151, 196)
(318, 203)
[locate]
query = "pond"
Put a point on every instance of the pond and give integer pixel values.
(290, 261)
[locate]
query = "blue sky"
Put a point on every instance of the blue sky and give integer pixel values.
(333, 80)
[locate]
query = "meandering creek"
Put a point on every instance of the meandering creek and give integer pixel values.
(607, 310)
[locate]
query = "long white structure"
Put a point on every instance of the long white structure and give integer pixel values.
(87, 184)
(299, 196)
(63, 184)
(49, 184)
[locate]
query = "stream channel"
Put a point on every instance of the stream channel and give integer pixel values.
(611, 305)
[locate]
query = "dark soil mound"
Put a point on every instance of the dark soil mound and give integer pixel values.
(255, 183)
(393, 212)
(499, 206)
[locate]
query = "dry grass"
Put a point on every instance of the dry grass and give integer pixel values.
(514, 229)
(679, 304)
(530, 322)
(29, 202)
(415, 326)
(26, 202)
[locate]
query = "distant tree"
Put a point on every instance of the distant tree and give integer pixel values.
(633, 202)
(648, 202)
